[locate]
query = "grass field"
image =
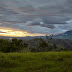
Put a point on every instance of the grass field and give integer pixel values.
(36, 62)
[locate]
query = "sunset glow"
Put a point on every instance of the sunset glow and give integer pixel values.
(20, 18)
(16, 33)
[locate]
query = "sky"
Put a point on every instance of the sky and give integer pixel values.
(20, 18)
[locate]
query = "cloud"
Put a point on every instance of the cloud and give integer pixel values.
(55, 20)
(5, 11)
(49, 21)
(41, 25)
(36, 16)
(2, 32)
(69, 3)
(38, 7)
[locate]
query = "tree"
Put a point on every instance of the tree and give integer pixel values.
(47, 37)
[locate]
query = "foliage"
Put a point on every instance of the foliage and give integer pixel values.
(34, 45)
(11, 46)
(36, 62)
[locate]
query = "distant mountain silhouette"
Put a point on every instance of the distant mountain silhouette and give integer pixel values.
(66, 35)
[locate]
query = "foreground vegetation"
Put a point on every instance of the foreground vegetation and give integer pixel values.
(35, 55)
(36, 62)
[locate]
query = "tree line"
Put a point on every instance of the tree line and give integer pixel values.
(33, 45)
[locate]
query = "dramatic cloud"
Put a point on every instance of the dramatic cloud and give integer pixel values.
(55, 20)
(36, 16)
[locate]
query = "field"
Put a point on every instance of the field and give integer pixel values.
(36, 62)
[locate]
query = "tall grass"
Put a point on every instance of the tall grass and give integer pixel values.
(36, 62)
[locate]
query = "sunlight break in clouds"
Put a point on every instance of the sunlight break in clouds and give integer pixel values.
(16, 33)
(35, 17)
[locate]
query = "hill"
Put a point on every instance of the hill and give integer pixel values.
(66, 35)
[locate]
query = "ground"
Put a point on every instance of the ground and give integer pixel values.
(36, 62)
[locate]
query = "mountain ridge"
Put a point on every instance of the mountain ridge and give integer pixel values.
(66, 35)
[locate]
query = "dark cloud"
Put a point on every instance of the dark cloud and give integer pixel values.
(4, 10)
(29, 14)
(42, 25)
(55, 20)
(69, 3)
(33, 24)
(48, 26)
(28, 9)
(49, 21)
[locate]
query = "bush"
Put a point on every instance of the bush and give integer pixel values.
(12, 46)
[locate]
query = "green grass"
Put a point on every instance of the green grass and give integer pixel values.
(36, 62)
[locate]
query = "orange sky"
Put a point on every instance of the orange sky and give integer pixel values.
(16, 33)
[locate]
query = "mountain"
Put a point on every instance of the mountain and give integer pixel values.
(66, 35)
(23, 38)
